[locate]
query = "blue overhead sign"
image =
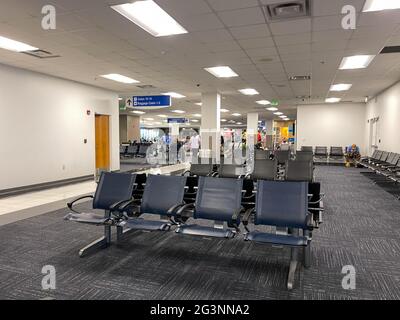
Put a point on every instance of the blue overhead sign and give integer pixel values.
(177, 120)
(149, 102)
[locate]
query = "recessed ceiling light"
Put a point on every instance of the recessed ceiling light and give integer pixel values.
(239, 123)
(120, 99)
(356, 62)
(332, 100)
(278, 113)
(194, 120)
(151, 17)
(174, 95)
(222, 72)
(16, 46)
(138, 112)
(149, 119)
(282, 117)
(248, 92)
(178, 111)
(162, 116)
(272, 109)
(236, 114)
(223, 120)
(263, 102)
(379, 5)
(341, 87)
(119, 78)
(197, 115)
(224, 110)
(199, 103)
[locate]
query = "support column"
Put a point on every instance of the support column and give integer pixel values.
(129, 128)
(210, 132)
(252, 125)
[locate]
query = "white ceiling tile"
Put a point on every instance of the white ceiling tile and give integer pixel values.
(291, 27)
(242, 17)
(256, 43)
(252, 31)
(223, 5)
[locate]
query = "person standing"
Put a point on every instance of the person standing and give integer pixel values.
(195, 146)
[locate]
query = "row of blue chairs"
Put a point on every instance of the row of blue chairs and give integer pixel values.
(284, 205)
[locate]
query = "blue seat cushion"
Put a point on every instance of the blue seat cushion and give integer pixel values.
(277, 239)
(197, 230)
(88, 218)
(147, 225)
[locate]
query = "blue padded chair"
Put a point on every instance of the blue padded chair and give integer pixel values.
(113, 190)
(283, 205)
(163, 195)
(218, 199)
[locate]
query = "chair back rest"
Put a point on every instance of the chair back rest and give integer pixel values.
(384, 156)
(299, 171)
(112, 188)
(218, 198)
(390, 157)
(304, 156)
(307, 148)
(396, 159)
(200, 169)
(231, 171)
(282, 156)
(265, 170)
(261, 154)
(282, 204)
(378, 155)
(336, 151)
(133, 149)
(143, 148)
(321, 151)
(161, 193)
(314, 188)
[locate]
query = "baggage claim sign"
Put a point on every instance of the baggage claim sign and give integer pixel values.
(148, 102)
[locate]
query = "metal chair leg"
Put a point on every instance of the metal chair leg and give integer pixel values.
(307, 256)
(292, 269)
(100, 243)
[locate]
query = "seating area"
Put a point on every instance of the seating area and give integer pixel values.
(285, 204)
(384, 170)
(323, 155)
(135, 150)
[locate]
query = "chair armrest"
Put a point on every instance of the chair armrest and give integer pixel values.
(116, 205)
(122, 205)
(183, 208)
(175, 207)
(246, 216)
(187, 171)
(214, 174)
(71, 204)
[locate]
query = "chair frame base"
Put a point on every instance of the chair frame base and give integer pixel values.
(100, 243)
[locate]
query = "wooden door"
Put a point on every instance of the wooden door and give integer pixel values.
(102, 142)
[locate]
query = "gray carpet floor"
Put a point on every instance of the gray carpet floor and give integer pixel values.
(361, 228)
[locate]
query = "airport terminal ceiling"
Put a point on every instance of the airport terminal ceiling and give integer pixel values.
(91, 39)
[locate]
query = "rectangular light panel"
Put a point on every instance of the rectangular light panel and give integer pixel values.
(356, 62)
(151, 17)
(222, 72)
(379, 5)
(119, 78)
(15, 46)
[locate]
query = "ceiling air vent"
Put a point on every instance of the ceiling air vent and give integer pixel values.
(288, 10)
(146, 86)
(391, 49)
(41, 54)
(297, 78)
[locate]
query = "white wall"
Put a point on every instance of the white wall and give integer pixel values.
(331, 125)
(386, 106)
(43, 124)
